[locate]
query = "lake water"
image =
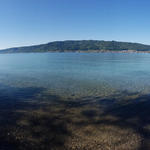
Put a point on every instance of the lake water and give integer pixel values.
(76, 74)
(68, 101)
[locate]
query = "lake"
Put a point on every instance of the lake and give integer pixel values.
(65, 98)
(77, 74)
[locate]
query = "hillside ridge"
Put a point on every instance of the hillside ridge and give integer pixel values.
(80, 45)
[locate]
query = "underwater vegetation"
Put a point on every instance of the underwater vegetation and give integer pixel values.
(31, 119)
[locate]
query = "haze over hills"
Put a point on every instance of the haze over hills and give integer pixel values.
(80, 45)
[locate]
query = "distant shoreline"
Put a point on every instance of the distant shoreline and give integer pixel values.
(113, 51)
(81, 51)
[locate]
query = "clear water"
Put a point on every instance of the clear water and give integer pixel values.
(76, 74)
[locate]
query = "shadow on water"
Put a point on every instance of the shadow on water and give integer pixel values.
(23, 123)
(132, 113)
(31, 119)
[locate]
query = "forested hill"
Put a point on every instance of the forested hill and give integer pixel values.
(83, 45)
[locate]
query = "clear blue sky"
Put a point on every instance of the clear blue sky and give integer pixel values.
(28, 22)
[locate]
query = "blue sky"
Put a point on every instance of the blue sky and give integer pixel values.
(29, 22)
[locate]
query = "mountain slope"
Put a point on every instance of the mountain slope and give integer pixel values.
(83, 45)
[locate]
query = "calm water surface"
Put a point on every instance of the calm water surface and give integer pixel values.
(77, 74)
(65, 101)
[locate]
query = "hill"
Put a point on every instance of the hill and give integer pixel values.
(82, 45)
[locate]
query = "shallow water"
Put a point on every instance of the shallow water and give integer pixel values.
(74, 101)
(77, 74)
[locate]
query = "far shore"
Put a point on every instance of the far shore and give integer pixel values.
(82, 51)
(114, 51)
